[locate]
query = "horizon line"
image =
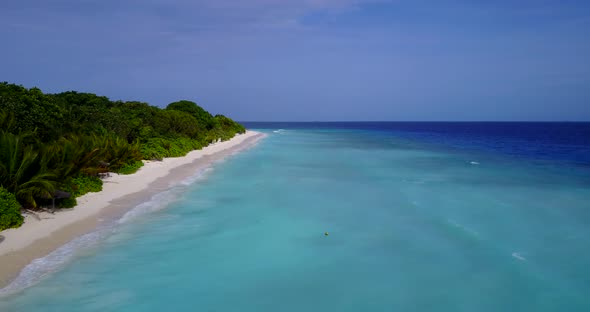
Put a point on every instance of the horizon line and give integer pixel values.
(420, 121)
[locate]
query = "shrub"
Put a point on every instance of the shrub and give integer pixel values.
(83, 184)
(153, 149)
(130, 168)
(10, 216)
(67, 202)
(158, 148)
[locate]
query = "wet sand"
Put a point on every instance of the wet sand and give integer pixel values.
(37, 238)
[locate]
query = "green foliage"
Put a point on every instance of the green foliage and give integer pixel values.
(70, 202)
(72, 155)
(228, 126)
(153, 149)
(117, 152)
(186, 145)
(82, 111)
(83, 184)
(202, 116)
(130, 167)
(175, 123)
(23, 170)
(10, 216)
(32, 110)
(63, 141)
(158, 148)
(224, 129)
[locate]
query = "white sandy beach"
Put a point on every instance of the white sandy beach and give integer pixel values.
(15, 250)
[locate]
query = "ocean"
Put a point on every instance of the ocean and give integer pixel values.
(348, 217)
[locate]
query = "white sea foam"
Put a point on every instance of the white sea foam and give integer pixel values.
(156, 203)
(518, 256)
(44, 266)
(279, 131)
(474, 163)
(163, 199)
(194, 178)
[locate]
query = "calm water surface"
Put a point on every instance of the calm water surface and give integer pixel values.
(421, 217)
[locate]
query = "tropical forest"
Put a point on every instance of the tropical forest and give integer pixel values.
(56, 147)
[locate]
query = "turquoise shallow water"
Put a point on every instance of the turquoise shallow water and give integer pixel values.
(411, 228)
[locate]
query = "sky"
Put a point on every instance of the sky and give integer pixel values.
(311, 60)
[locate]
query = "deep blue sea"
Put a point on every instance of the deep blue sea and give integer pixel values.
(420, 217)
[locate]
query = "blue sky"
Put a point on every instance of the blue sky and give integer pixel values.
(311, 59)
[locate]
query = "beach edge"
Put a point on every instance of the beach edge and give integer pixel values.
(38, 238)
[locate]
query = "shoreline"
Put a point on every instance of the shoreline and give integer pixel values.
(120, 193)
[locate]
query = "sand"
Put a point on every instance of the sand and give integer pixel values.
(38, 237)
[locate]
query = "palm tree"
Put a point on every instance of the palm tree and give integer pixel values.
(22, 171)
(118, 152)
(68, 157)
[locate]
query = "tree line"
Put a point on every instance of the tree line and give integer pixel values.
(56, 144)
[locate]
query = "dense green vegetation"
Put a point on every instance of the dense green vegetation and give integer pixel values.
(51, 142)
(9, 210)
(83, 184)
